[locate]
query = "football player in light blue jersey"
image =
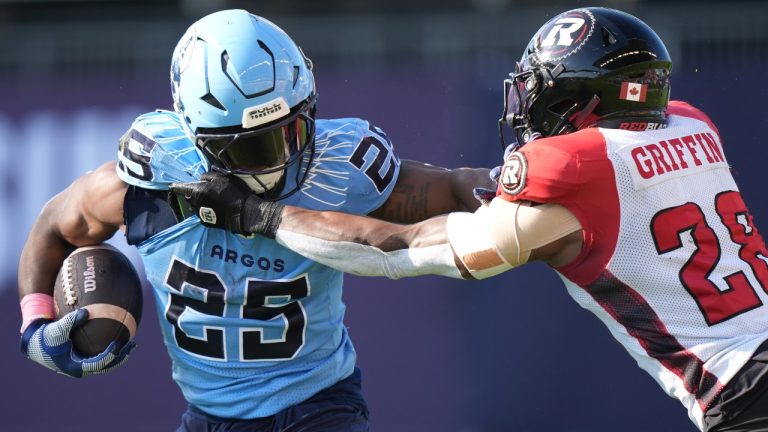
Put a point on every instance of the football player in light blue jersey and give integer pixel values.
(255, 331)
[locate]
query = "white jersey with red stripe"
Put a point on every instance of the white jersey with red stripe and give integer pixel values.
(672, 261)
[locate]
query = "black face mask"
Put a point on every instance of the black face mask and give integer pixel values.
(262, 151)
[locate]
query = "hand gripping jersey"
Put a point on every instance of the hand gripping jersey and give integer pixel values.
(252, 327)
(672, 262)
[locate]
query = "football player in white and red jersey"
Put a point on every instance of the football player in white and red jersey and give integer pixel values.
(628, 196)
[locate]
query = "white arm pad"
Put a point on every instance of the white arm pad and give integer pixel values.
(363, 260)
(502, 235)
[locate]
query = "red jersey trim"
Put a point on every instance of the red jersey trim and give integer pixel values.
(629, 308)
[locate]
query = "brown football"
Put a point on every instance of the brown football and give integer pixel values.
(101, 279)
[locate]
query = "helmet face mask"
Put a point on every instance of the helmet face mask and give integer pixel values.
(260, 151)
(576, 70)
(261, 156)
(522, 90)
(245, 93)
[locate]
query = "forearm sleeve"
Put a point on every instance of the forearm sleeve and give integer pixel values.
(365, 260)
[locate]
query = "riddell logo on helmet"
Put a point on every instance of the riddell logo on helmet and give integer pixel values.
(265, 113)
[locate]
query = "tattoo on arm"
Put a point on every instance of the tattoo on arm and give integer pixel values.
(423, 191)
(408, 203)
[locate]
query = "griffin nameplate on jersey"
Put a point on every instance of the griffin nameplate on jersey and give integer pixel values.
(651, 163)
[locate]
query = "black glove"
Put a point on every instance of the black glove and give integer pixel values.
(225, 201)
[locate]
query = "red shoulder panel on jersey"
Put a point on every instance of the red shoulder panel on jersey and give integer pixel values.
(548, 171)
(686, 110)
(574, 171)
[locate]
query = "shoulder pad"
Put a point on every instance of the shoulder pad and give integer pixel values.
(156, 151)
(354, 168)
(550, 169)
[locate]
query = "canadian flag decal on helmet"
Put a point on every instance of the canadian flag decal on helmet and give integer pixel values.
(633, 91)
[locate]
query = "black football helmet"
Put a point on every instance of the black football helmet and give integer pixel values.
(585, 66)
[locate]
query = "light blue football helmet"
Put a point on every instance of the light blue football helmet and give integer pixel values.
(246, 95)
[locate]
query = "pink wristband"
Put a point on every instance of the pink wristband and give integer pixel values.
(35, 306)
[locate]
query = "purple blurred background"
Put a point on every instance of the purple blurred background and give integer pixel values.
(510, 353)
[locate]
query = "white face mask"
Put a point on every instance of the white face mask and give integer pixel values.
(264, 183)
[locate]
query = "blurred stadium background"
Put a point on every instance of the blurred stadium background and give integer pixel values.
(509, 354)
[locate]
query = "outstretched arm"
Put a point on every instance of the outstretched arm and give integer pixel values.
(495, 238)
(370, 247)
(476, 245)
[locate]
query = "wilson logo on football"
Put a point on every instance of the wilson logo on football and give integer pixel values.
(89, 275)
(513, 173)
(565, 35)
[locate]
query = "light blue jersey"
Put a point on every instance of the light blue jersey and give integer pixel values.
(252, 327)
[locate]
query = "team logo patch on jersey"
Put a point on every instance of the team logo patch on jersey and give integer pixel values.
(564, 35)
(513, 173)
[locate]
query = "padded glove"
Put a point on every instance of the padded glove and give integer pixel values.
(225, 201)
(48, 343)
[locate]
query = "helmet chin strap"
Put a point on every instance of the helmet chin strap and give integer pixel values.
(581, 117)
(262, 183)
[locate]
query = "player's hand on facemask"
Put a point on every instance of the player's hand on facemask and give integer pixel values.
(225, 201)
(48, 343)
